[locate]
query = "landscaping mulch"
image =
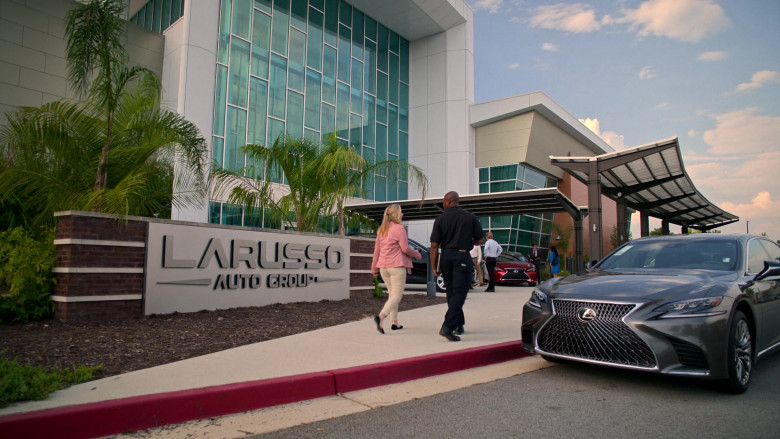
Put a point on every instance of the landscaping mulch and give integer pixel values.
(125, 345)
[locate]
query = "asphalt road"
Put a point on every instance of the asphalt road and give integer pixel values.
(572, 401)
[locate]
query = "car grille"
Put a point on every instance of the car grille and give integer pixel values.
(605, 339)
(689, 354)
(514, 274)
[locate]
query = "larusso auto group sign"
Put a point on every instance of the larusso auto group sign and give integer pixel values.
(192, 268)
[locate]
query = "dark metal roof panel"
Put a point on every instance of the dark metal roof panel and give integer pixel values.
(646, 176)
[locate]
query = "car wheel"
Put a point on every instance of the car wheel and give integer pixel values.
(740, 355)
(440, 287)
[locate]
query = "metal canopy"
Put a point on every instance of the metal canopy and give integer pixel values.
(533, 201)
(651, 178)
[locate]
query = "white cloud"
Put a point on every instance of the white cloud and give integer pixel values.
(550, 47)
(574, 18)
(743, 132)
(758, 80)
(715, 55)
(647, 72)
(662, 105)
(613, 139)
(491, 6)
(513, 66)
(741, 187)
(685, 20)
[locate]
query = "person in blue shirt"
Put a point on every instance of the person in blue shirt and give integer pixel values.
(554, 260)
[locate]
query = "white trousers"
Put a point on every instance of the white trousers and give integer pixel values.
(395, 280)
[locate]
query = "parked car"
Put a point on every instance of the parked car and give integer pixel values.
(703, 305)
(514, 268)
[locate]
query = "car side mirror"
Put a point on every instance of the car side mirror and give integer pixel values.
(591, 264)
(771, 269)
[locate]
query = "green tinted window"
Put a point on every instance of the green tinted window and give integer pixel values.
(278, 86)
(258, 98)
(355, 131)
(369, 119)
(297, 56)
(261, 41)
(281, 26)
(328, 120)
(369, 73)
(294, 114)
(392, 130)
(504, 173)
(235, 138)
(220, 100)
(314, 40)
(381, 142)
(218, 150)
(329, 75)
(239, 72)
(263, 5)
(342, 110)
(356, 87)
(298, 13)
(242, 13)
(344, 53)
(332, 22)
(394, 84)
(312, 99)
(380, 188)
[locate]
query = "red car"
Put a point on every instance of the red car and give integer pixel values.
(513, 268)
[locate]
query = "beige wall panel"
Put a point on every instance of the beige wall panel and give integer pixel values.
(505, 141)
(549, 140)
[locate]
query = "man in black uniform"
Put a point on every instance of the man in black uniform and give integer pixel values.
(455, 231)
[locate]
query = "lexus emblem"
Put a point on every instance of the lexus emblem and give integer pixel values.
(586, 315)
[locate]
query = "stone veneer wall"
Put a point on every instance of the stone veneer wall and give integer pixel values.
(100, 266)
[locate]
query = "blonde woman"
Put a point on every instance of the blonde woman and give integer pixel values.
(393, 259)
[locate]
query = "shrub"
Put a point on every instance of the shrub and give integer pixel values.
(377, 289)
(26, 278)
(25, 383)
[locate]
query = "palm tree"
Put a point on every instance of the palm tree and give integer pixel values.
(345, 172)
(293, 158)
(50, 154)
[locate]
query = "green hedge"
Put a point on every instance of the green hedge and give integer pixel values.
(24, 383)
(26, 278)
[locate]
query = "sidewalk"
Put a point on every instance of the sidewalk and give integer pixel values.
(324, 362)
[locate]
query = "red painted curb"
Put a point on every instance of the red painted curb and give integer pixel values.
(381, 374)
(141, 412)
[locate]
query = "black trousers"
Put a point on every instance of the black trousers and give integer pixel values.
(491, 265)
(457, 270)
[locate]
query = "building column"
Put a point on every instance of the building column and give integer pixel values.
(622, 220)
(594, 209)
(664, 227)
(644, 223)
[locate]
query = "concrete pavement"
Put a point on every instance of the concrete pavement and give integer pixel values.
(322, 363)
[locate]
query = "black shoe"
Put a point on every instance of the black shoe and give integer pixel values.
(446, 333)
(395, 327)
(459, 330)
(490, 290)
(377, 320)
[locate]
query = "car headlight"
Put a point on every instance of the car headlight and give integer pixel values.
(691, 308)
(530, 269)
(537, 298)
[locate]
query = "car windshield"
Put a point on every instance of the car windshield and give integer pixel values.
(506, 257)
(672, 254)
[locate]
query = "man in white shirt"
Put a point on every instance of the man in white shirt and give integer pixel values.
(492, 250)
(476, 257)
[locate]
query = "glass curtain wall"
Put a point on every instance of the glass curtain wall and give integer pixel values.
(158, 15)
(309, 68)
(517, 233)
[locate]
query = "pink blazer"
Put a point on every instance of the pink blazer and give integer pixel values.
(393, 250)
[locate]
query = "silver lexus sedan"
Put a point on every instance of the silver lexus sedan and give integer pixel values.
(701, 305)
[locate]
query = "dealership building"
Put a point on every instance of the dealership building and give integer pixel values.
(394, 79)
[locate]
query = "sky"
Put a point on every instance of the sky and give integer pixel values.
(636, 72)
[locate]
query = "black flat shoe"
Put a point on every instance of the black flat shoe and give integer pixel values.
(448, 335)
(459, 330)
(395, 327)
(377, 320)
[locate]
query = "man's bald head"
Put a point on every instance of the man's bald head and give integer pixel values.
(451, 198)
